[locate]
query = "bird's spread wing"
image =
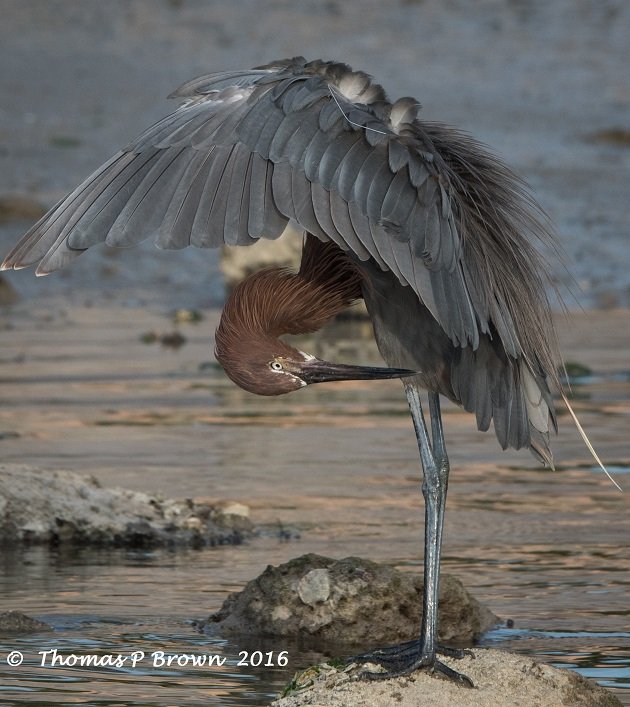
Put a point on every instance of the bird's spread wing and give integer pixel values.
(249, 150)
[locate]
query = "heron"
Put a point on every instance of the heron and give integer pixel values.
(418, 219)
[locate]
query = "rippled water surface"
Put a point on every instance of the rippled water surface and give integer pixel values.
(338, 465)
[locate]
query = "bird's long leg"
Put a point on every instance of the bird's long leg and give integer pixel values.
(412, 655)
(434, 489)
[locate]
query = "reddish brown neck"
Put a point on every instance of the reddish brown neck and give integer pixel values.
(275, 301)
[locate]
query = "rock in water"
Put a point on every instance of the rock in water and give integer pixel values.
(63, 507)
(352, 602)
(16, 623)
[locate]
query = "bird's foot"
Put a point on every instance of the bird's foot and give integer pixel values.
(405, 658)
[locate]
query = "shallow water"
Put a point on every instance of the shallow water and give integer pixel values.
(336, 464)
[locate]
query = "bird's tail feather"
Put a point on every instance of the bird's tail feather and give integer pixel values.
(587, 441)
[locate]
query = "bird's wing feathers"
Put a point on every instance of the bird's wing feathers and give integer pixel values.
(249, 150)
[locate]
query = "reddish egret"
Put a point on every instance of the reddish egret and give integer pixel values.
(434, 233)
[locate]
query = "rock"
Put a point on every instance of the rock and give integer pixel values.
(232, 508)
(314, 587)
(237, 262)
(62, 507)
(169, 339)
(7, 294)
(501, 680)
(15, 622)
(19, 207)
(187, 316)
(345, 602)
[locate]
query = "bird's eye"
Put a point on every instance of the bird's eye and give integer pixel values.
(275, 366)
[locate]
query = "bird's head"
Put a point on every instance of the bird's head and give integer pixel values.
(272, 302)
(268, 366)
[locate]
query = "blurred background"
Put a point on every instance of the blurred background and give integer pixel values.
(544, 83)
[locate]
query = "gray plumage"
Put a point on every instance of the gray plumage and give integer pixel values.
(443, 229)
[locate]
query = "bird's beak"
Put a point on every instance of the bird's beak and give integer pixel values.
(317, 371)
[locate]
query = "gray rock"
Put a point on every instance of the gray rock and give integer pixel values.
(351, 601)
(237, 263)
(501, 680)
(15, 622)
(62, 507)
(20, 207)
(7, 294)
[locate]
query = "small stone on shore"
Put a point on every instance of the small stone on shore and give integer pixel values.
(501, 679)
